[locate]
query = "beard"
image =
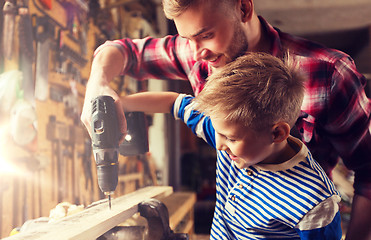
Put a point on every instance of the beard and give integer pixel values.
(238, 45)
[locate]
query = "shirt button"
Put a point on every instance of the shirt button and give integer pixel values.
(240, 186)
(233, 198)
(249, 173)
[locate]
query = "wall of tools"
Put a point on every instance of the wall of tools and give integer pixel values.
(45, 58)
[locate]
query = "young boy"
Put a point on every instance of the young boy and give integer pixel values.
(268, 185)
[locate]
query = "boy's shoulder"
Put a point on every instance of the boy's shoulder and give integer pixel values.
(302, 170)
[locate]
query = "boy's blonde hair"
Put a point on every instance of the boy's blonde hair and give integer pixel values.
(256, 90)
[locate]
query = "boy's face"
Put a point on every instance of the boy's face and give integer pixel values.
(244, 146)
(215, 33)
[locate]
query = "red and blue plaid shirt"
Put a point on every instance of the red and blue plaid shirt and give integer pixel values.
(335, 115)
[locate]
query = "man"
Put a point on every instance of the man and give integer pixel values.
(335, 115)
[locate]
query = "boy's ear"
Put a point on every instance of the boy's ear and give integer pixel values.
(280, 132)
(246, 10)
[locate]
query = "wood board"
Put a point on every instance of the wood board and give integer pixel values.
(96, 220)
(179, 204)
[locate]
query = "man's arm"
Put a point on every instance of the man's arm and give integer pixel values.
(360, 224)
(106, 65)
(149, 102)
(351, 128)
(164, 58)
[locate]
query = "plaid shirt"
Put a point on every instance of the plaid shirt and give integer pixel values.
(335, 116)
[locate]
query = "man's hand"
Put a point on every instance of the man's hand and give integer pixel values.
(107, 64)
(87, 111)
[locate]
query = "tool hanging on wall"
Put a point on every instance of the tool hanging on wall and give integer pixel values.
(44, 36)
(26, 36)
(9, 11)
(86, 160)
(59, 134)
(46, 4)
(26, 47)
(10, 91)
(23, 123)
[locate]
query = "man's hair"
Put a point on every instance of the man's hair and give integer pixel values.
(256, 90)
(174, 8)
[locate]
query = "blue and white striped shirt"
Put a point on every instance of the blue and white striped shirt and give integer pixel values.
(292, 200)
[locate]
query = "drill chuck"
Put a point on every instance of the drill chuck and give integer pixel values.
(107, 169)
(105, 142)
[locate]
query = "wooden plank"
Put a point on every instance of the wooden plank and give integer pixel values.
(188, 227)
(179, 204)
(130, 177)
(94, 221)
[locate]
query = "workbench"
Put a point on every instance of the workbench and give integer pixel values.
(96, 220)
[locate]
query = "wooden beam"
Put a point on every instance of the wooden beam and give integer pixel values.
(179, 204)
(94, 221)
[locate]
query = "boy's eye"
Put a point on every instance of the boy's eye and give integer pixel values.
(229, 139)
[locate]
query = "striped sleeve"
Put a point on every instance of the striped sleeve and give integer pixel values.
(332, 231)
(201, 126)
(321, 215)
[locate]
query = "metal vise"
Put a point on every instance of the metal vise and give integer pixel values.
(157, 217)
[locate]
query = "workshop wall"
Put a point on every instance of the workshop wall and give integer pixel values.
(45, 58)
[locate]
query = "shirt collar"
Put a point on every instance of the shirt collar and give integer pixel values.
(274, 36)
(300, 156)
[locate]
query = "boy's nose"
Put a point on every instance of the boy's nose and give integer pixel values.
(220, 145)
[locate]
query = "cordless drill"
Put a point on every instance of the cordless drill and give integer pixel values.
(105, 142)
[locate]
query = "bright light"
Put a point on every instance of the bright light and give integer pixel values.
(6, 167)
(128, 137)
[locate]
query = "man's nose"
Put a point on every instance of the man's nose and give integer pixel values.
(198, 51)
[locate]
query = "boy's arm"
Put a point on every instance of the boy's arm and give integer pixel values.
(149, 102)
(322, 222)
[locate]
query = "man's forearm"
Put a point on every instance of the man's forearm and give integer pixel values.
(149, 102)
(360, 222)
(107, 64)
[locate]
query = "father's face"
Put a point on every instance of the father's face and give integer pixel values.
(215, 33)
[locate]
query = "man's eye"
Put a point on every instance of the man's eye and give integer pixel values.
(207, 36)
(229, 139)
